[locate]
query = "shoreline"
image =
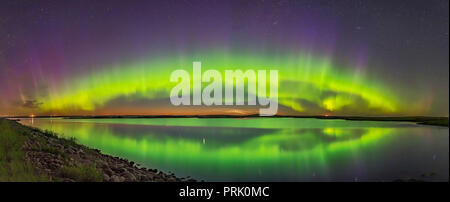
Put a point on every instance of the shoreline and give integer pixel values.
(421, 120)
(30, 154)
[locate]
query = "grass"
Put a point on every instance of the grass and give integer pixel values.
(13, 166)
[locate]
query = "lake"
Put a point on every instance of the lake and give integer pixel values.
(267, 149)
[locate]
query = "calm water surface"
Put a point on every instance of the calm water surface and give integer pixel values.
(268, 149)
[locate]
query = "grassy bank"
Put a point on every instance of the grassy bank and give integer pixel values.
(29, 154)
(13, 164)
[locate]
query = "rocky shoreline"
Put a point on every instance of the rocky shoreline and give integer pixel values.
(64, 160)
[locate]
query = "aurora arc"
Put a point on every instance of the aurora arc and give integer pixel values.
(301, 77)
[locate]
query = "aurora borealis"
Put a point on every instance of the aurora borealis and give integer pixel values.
(334, 57)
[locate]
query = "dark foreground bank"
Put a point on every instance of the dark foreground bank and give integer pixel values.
(29, 154)
(424, 120)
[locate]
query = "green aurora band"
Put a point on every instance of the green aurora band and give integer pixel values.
(301, 77)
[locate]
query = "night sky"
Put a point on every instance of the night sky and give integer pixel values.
(346, 57)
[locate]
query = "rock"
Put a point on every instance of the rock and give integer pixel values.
(129, 177)
(102, 164)
(115, 178)
(122, 170)
(80, 151)
(106, 178)
(146, 178)
(108, 171)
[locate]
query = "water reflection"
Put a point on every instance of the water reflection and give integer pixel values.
(266, 149)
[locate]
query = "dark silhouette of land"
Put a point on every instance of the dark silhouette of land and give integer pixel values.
(425, 120)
